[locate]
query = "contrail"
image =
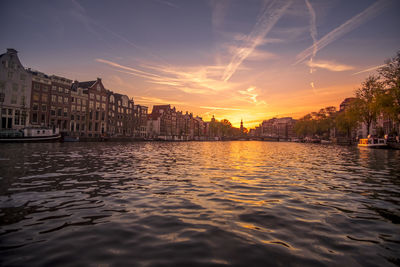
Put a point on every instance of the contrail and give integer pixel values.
(313, 31)
(346, 27)
(369, 69)
(268, 18)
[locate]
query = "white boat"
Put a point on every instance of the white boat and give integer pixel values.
(372, 142)
(30, 134)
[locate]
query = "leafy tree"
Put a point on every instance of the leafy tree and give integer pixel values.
(368, 104)
(391, 80)
(347, 120)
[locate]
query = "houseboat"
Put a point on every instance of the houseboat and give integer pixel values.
(30, 134)
(373, 142)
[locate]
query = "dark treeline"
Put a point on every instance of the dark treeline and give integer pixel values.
(224, 128)
(378, 94)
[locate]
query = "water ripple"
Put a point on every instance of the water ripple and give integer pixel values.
(198, 204)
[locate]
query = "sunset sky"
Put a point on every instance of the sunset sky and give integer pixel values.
(249, 60)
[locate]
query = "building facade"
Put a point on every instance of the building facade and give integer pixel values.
(15, 91)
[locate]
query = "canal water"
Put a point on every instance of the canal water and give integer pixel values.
(198, 204)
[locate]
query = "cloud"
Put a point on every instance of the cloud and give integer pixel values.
(346, 27)
(219, 108)
(369, 69)
(251, 96)
(167, 3)
(219, 10)
(193, 80)
(268, 18)
(256, 55)
(313, 31)
(329, 65)
(156, 100)
(132, 70)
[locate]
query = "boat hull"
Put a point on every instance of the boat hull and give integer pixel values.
(373, 145)
(52, 138)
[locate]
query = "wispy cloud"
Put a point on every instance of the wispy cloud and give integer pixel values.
(346, 27)
(170, 4)
(193, 80)
(369, 69)
(251, 96)
(219, 11)
(329, 65)
(313, 31)
(147, 99)
(220, 108)
(270, 14)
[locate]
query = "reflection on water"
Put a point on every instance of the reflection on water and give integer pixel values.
(198, 203)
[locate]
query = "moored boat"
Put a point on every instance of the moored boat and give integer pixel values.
(373, 142)
(30, 134)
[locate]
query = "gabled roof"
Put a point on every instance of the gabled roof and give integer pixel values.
(86, 84)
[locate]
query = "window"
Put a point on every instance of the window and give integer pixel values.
(53, 98)
(91, 103)
(34, 117)
(65, 100)
(72, 117)
(22, 77)
(66, 90)
(65, 112)
(97, 105)
(97, 116)
(78, 108)
(17, 116)
(36, 96)
(59, 112)
(15, 87)
(73, 107)
(45, 88)
(103, 106)
(91, 96)
(98, 97)
(23, 100)
(60, 99)
(53, 111)
(44, 98)
(44, 107)
(43, 119)
(36, 86)
(103, 98)
(13, 99)
(35, 106)
(54, 88)
(10, 75)
(2, 86)
(84, 109)
(60, 89)
(78, 101)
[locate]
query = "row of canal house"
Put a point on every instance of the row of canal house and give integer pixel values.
(84, 109)
(282, 128)
(167, 123)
